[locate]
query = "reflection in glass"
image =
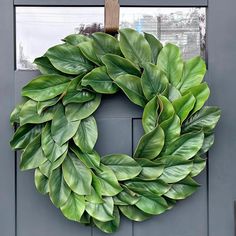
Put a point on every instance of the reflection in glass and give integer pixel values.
(38, 28)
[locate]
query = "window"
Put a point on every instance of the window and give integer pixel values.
(38, 28)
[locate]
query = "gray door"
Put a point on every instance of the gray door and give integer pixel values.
(209, 212)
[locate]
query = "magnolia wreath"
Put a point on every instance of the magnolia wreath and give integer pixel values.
(57, 132)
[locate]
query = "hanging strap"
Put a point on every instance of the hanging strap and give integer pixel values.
(111, 17)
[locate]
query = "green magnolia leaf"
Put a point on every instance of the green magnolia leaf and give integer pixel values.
(46, 67)
(150, 144)
(41, 182)
(207, 143)
(87, 134)
(76, 96)
(124, 166)
(134, 46)
(100, 81)
(87, 50)
(133, 213)
(58, 162)
(173, 93)
(50, 148)
(176, 168)
(45, 168)
(150, 115)
(128, 197)
(59, 191)
(166, 109)
(29, 114)
(75, 39)
(77, 175)
(74, 207)
(105, 182)
(101, 211)
(104, 44)
(171, 63)
(33, 155)
(193, 73)
(152, 204)
(171, 128)
(198, 166)
(201, 93)
(75, 112)
(24, 135)
(41, 106)
(117, 66)
(110, 226)
(68, 59)
(91, 160)
(184, 105)
(131, 86)
(15, 114)
(152, 187)
(155, 45)
(187, 145)
(150, 170)
(153, 81)
(45, 87)
(62, 129)
(205, 119)
(182, 189)
(94, 196)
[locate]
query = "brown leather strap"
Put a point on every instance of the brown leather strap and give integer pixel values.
(111, 18)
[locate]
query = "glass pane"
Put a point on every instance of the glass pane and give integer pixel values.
(182, 26)
(38, 28)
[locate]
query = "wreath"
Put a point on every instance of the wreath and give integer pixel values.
(57, 132)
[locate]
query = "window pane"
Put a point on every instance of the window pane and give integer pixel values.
(38, 28)
(182, 26)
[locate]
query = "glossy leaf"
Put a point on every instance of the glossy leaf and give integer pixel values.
(205, 119)
(150, 170)
(133, 213)
(24, 135)
(187, 145)
(131, 86)
(45, 87)
(110, 226)
(74, 207)
(198, 166)
(117, 65)
(153, 81)
(105, 182)
(76, 96)
(124, 166)
(176, 168)
(150, 115)
(182, 189)
(150, 144)
(207, 143)
(75, 112)
(41, 106)
(201, 93)
(183, 106)
(75, 39)
(41, 182)
(102, 211)
(193, 73)
(100, 81)
(134, 46)
(33, 155)
(59, 191)
(29, 114)
(127, 196)
(62, 129)
(87, 134)
(77, 176)
(15, 114)
(50, 148)
(171, 63)
(68, 59)
(166, 109)
(155, 45)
